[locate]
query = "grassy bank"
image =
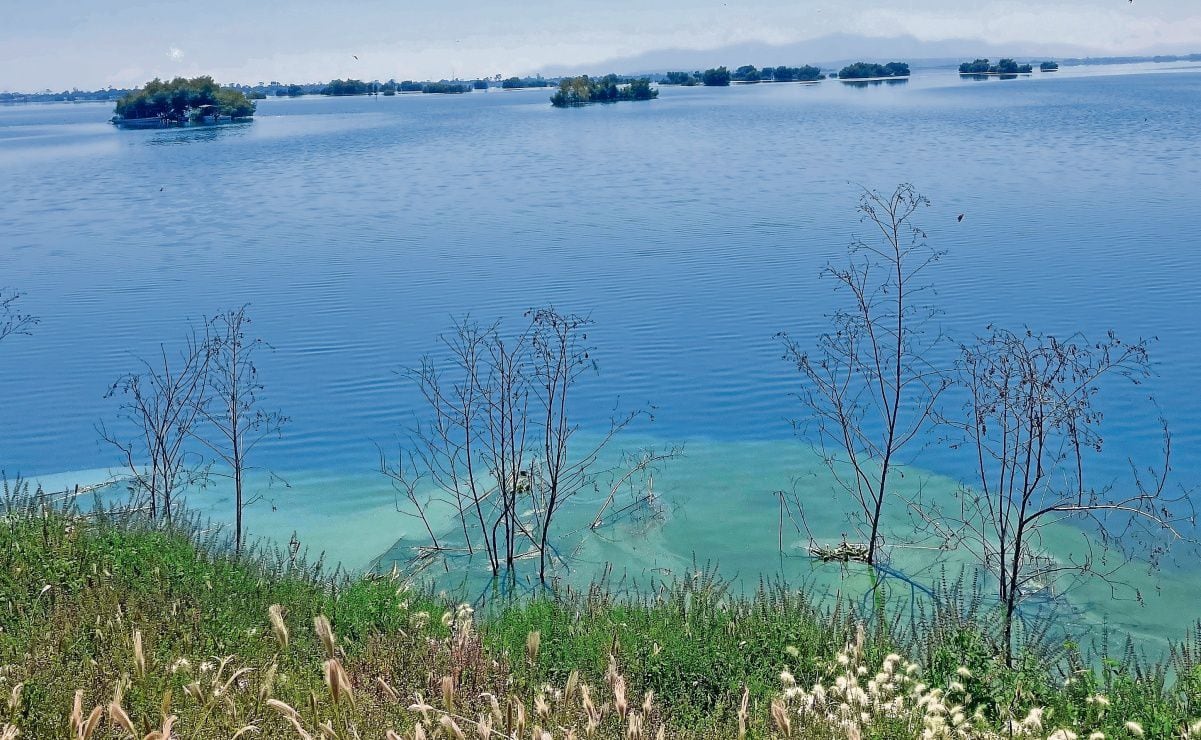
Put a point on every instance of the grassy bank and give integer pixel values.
(112, 628)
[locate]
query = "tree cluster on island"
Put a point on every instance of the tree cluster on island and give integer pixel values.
(867, 70)
(582, 90)
(345, 87)
(683, 79)
(1048, 67)
(751, 74)
(517, 83)
(182, 100)
(716, 77)
(444, 88)
(1003, 67)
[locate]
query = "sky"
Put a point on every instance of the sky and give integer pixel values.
(60, 44)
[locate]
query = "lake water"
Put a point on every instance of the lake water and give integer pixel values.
(691, 229)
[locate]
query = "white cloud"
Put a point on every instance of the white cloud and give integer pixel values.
(175, 53)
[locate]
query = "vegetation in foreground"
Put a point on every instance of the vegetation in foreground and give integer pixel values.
(182, 99)
(118, 627)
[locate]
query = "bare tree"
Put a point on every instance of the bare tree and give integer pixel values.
(499, 446)
(1033, 426)
(162, 404)
(869, 388)
(237, 421)
(13, 321)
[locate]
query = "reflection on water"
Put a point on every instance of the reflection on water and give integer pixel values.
(875, 83)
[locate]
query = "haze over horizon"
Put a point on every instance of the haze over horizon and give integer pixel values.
(58, 44)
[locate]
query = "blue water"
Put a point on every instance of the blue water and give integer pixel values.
(691, 229)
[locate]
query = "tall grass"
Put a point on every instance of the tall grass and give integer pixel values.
(115, 626)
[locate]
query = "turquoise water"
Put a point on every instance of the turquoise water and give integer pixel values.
(691, 229)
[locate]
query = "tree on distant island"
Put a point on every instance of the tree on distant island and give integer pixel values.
(516, 83)
(1048, 67)
(184, 99)
(716, 77)
(797, 74)
(865, 70)
(291, 91)
(1010, 67)
(746, 73)
(687, 79)
(444, 88)
(345, 87)
(1003, 67)
(577, 91)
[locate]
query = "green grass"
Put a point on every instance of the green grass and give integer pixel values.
(74, 590)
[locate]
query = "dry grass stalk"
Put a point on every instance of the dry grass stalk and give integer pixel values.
(387, 690)
(325, 632)
(533, 644)
(119, 718)
(139, 655)
(278, 627)
(338, 682)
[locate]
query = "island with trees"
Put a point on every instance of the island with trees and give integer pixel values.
(804, 73)
(577, 91)
(862, 71)
(518, 83)
(1004, 67)
(339, 88)
(716, 77)
(720, 76)
(684, 79)
(445, 88)
(746, 74)
(1048, 67)
(180, 102)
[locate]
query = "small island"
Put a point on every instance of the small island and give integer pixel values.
(683, 79)
(1048, 67)
(862, 71)
(339, 88)
(716, 77)
(198, 101)
(577, 91)
(747, 74)
(518, 83)
(804, 73)
(1003, 67)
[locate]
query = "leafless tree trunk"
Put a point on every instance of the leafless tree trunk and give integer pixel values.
(162, 403)
(233, 412)
(869, 388)
(498, 444)
(1032, 426)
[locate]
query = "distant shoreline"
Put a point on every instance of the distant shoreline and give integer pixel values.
(8, 97)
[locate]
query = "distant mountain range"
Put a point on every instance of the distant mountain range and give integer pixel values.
(828, 51)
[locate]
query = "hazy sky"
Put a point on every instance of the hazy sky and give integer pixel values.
(89, 43)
